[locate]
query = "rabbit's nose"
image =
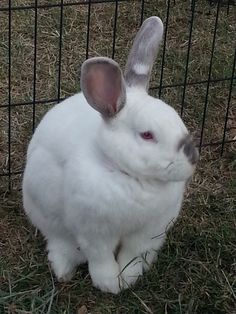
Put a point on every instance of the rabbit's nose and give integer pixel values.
(189, 149)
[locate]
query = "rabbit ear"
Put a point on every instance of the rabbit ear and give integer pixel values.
(103, 85)
(143, 53)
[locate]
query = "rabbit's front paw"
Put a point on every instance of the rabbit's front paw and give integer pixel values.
(64, 258)
(63, 267)
(105, 277)
(131, 269)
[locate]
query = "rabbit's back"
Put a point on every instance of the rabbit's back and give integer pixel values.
(65, 127)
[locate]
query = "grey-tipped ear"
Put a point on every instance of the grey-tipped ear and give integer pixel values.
(143, 53)
(103, 85)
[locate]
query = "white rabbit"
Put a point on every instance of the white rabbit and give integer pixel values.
(106, 170)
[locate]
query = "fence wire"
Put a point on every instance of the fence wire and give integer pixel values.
(159, 85)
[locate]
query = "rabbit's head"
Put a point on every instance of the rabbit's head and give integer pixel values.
(139, 135)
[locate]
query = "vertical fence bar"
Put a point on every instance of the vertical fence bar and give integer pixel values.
(142, 12)
(209, 76)
(188, 55)
(35, 61)
(60, 52)
(114, 30)
(9, 94)
(164, 48)
(88, 29)
(228, 105)
(228, 5)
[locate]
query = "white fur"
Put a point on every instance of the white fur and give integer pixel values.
(141, 69)
(92, 183)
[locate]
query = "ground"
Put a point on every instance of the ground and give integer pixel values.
(196, 269)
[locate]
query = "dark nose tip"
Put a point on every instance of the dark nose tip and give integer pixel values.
(191, 151)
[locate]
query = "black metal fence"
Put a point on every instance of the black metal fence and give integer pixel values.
(213, 58)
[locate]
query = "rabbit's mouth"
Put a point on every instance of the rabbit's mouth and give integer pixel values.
(170, 164)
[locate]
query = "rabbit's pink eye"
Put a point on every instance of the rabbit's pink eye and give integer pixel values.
(147, 135)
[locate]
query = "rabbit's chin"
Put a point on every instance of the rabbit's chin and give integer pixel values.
(177, 172)
(177, 177)
(174, 173)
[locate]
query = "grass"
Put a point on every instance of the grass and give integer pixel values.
(196, 269)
